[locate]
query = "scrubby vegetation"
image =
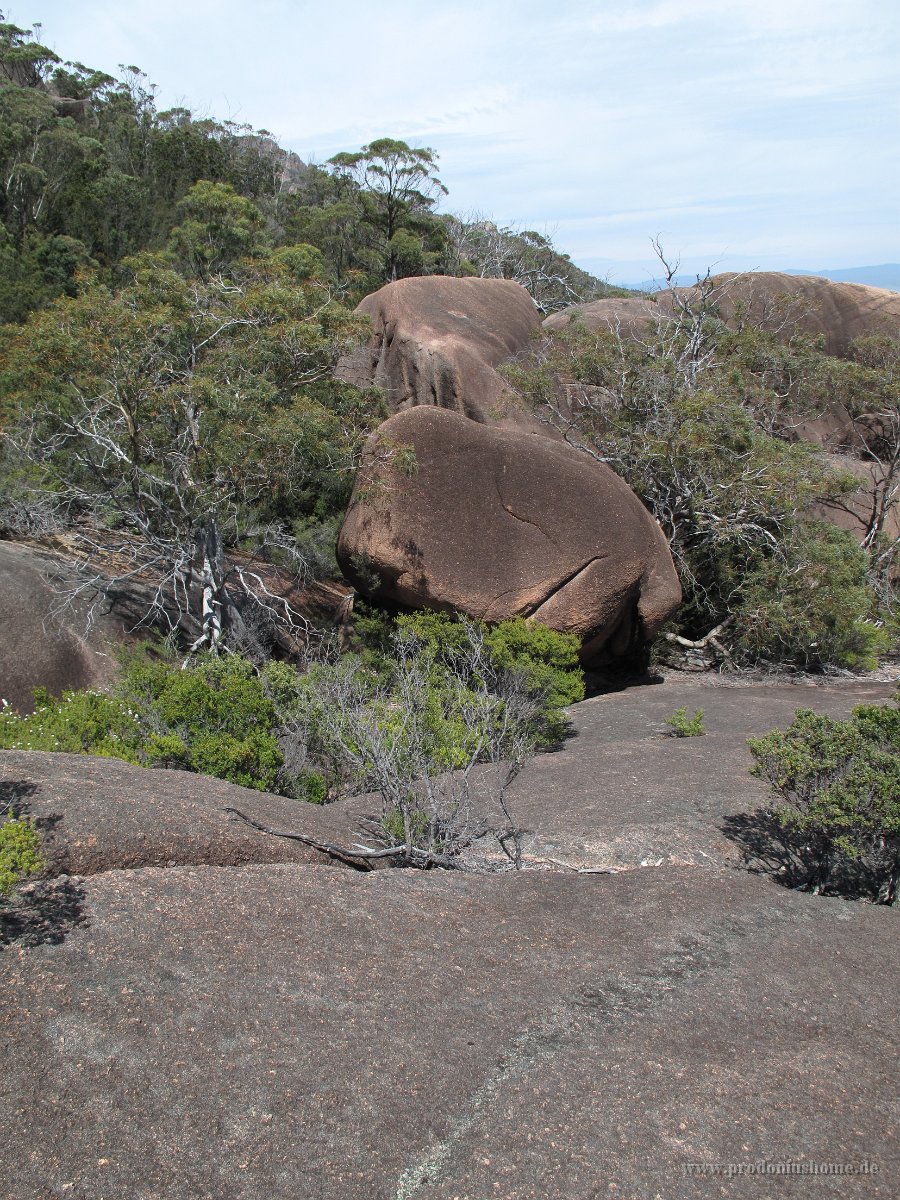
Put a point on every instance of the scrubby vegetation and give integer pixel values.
(174, 295)
(429, 695)
(839, 782)
(683, 726)
(699, 419)
(20, 851)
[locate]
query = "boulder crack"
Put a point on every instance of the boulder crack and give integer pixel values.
(535, 609)
(508, 508)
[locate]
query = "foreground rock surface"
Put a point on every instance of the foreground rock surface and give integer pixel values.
(254, 1031)
(622, 791)
(497, 524)
(101, 814)
(279, 1029)
(438, 340)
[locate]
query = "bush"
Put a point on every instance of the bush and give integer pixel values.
(87, 722)
(214, 717)
(698, 421)
(20, 852)
(412, 725)
(521, 653)
(684, 726)
(810, 605)
(840, 783)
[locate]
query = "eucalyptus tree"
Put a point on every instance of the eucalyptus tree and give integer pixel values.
(184, 418)
(396, 188)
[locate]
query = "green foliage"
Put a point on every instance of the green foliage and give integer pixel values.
(86, 722)
(692, 418)
(213, 716)
(20, 851)
(810, 604)
(394, 188)
(840, 783)
(544, 661)
(217, 227)
(190, 414)
(411, 721)
(683, 726)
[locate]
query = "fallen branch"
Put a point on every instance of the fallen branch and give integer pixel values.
(359, 859)
(709, 639)
(557, 862)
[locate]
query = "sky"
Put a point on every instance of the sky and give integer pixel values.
(744, 134)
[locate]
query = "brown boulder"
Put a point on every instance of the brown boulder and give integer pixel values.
(496, 524)
(803, 304)
(42, 642)
(437, 340)
(631, 318)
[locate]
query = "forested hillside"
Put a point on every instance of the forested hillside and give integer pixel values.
(92, 172)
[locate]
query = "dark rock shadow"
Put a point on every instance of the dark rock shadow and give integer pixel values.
(42, 913)
(14, 794)
(14, 798)
(767, 848)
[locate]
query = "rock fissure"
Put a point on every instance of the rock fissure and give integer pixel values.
(695, 955)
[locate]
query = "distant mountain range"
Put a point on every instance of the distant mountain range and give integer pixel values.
(886, 275)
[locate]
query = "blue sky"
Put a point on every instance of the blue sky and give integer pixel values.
(745, 133)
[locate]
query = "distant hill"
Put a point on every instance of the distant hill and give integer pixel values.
(887, 275)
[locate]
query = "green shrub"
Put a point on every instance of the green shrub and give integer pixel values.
(810, 604)
(693, 418)
(544, 662)
(684, 726)
(840, 783)
(87, 722)
(20, 851)
(221, 716)
(214, 717)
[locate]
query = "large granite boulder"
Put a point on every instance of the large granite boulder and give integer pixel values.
(496, 523)
(802, 303)
(438, 340)
(629, 317)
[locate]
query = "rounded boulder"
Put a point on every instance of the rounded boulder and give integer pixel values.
(495, 523)
(437, 340)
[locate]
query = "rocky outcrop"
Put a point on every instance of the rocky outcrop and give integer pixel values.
(42, 642)
(292, 1031)
(498, 524)
(437, 340)
(630, 318)
(245, 1022)
(807, 304)
(101, 814)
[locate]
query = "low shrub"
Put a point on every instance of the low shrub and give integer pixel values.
(214, 717)
(86, 722)
(20, 851)
(223, 716)
(684, 726)
(840, 786)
